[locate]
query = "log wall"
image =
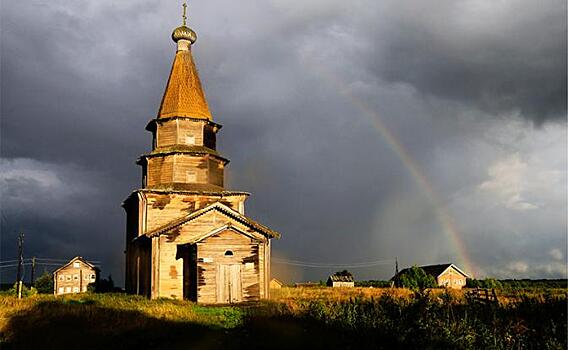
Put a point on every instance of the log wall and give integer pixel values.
(184, 132)
(73, 279)
(211, 253)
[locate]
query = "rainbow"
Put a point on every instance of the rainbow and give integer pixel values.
(447, 222)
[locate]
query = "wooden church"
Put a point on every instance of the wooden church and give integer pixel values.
(187, 237)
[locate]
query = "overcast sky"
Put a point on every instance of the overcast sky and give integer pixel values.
(361, 128)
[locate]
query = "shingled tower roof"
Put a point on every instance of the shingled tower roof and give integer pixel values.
(184, 95)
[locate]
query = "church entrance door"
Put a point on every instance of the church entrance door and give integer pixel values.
(229, 285)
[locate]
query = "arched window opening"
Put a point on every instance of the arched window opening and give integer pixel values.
(229, 253)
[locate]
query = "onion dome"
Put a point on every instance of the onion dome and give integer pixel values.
(184, 96)
(184, 33)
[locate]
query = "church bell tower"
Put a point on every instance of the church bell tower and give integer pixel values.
(187, 236)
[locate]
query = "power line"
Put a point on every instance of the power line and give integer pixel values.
(7, 266)
(9, 261)
(63, 260)
(332, 265)
(15, 265)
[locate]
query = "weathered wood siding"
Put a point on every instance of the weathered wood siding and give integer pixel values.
(211, 254)
(216, 172)
(189, 130)
(451, 279)
(184, 132)
(184, 168)
(170, 269)
(336, 284)
(197, 165)
(138, 267)
(163, 208)
(166, 134)
(160, 170)
(73, 279)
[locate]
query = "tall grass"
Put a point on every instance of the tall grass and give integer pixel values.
(439, 319)
(295, 318)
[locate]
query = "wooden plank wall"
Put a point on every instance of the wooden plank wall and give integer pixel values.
(451, 279)
(211, 254)
(170, 270)
(167, 272)
(166, 134)
(184, 163)
(175, 132)
(160, 170)
(190, 128)
(174, 169)
(216, 172)
(71, 277)
(164, 208)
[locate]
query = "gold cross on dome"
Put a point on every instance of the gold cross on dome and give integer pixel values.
(184, 10)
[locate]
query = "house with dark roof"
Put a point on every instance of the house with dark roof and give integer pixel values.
(446, 275)
(344, 280)
(74, 277)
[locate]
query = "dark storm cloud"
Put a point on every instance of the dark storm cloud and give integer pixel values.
(505, 58)
(79, 81)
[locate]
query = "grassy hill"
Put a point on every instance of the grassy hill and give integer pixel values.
(316, 318)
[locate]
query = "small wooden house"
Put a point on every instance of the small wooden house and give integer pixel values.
(275, 284)
(74, 277)
(340, 281)
(446, 275)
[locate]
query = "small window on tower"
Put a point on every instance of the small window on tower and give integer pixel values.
(190, 140)
(191, 176)
(229, 253)
(76, 264)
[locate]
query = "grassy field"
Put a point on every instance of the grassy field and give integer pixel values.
(318, 318)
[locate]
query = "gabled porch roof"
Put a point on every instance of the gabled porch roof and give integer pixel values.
(223, 209)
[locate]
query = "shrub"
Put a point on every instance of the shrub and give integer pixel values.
(490, 283)
(416, 278)
(44, 284)
(26, 292)
(102, 285)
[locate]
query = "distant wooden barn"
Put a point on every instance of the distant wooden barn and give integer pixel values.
(340, 281)
(446, 275)
(74, 277)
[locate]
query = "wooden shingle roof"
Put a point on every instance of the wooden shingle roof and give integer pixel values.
(184, 96)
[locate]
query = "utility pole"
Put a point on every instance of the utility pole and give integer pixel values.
(394, 282)
(20, 263)
(33, 270)
(396, 266)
